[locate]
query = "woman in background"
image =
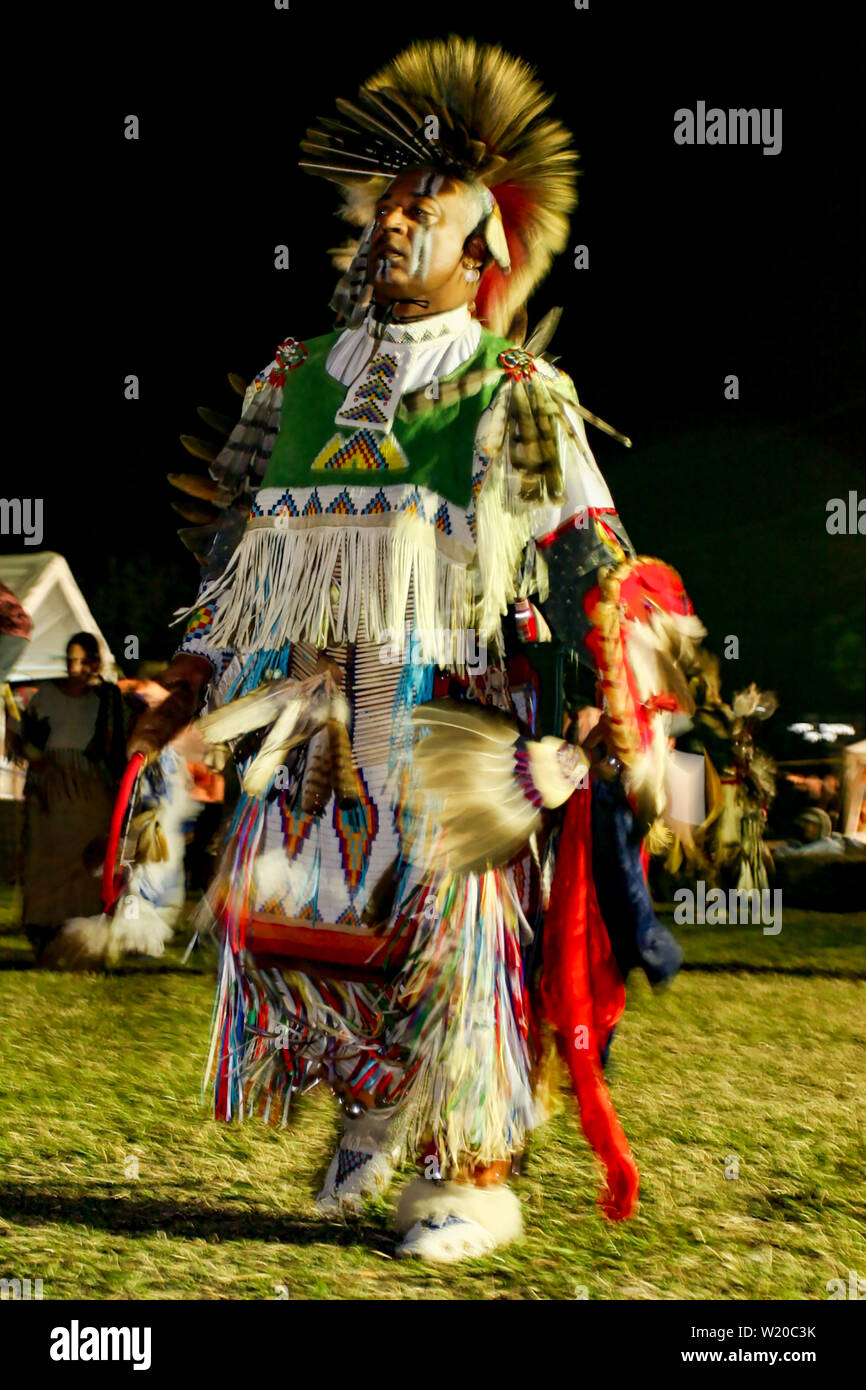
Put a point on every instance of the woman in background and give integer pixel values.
(73, 737)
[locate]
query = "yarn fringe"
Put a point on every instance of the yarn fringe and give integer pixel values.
(465, 1033)
(277, 1032)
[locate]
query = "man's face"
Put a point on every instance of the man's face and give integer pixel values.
(418, 250)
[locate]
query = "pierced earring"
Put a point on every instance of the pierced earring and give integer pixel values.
(470, 275)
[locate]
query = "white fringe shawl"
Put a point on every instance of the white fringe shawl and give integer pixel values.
(504, 525)
(326, 584)
(329, 584)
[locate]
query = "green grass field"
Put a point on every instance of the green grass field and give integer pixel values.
(114, 1182)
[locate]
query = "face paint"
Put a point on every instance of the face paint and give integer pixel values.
(431, 182)
(419, 262)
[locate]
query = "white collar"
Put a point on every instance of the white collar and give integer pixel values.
(425, 358)
(449, 324)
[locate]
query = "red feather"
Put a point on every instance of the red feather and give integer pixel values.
(516, 206)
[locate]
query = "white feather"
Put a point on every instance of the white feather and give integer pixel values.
(297, 724)
(80, 944)
(643, 660)
(272, 876)
(248, 713)
(144, 933)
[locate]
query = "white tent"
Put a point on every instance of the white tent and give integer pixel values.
(854, 789)
(45, 587)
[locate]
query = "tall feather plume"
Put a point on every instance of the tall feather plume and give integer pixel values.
(490, 111)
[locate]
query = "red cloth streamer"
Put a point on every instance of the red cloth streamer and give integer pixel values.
(583, 996)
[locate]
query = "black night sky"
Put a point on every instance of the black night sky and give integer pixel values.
(704, 261)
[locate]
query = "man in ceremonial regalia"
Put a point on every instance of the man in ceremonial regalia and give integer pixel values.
(392, 645)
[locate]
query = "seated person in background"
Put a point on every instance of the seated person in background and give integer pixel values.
(816, 837)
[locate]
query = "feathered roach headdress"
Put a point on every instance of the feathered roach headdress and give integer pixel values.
(488, 128)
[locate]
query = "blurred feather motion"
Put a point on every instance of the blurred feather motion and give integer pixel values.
(94, 943)
(488, 784)
(312, 712)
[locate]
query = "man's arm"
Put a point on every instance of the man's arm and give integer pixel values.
(185, 680)
(195, 664)
(577, 536)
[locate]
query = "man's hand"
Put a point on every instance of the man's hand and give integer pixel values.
(184, 680)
